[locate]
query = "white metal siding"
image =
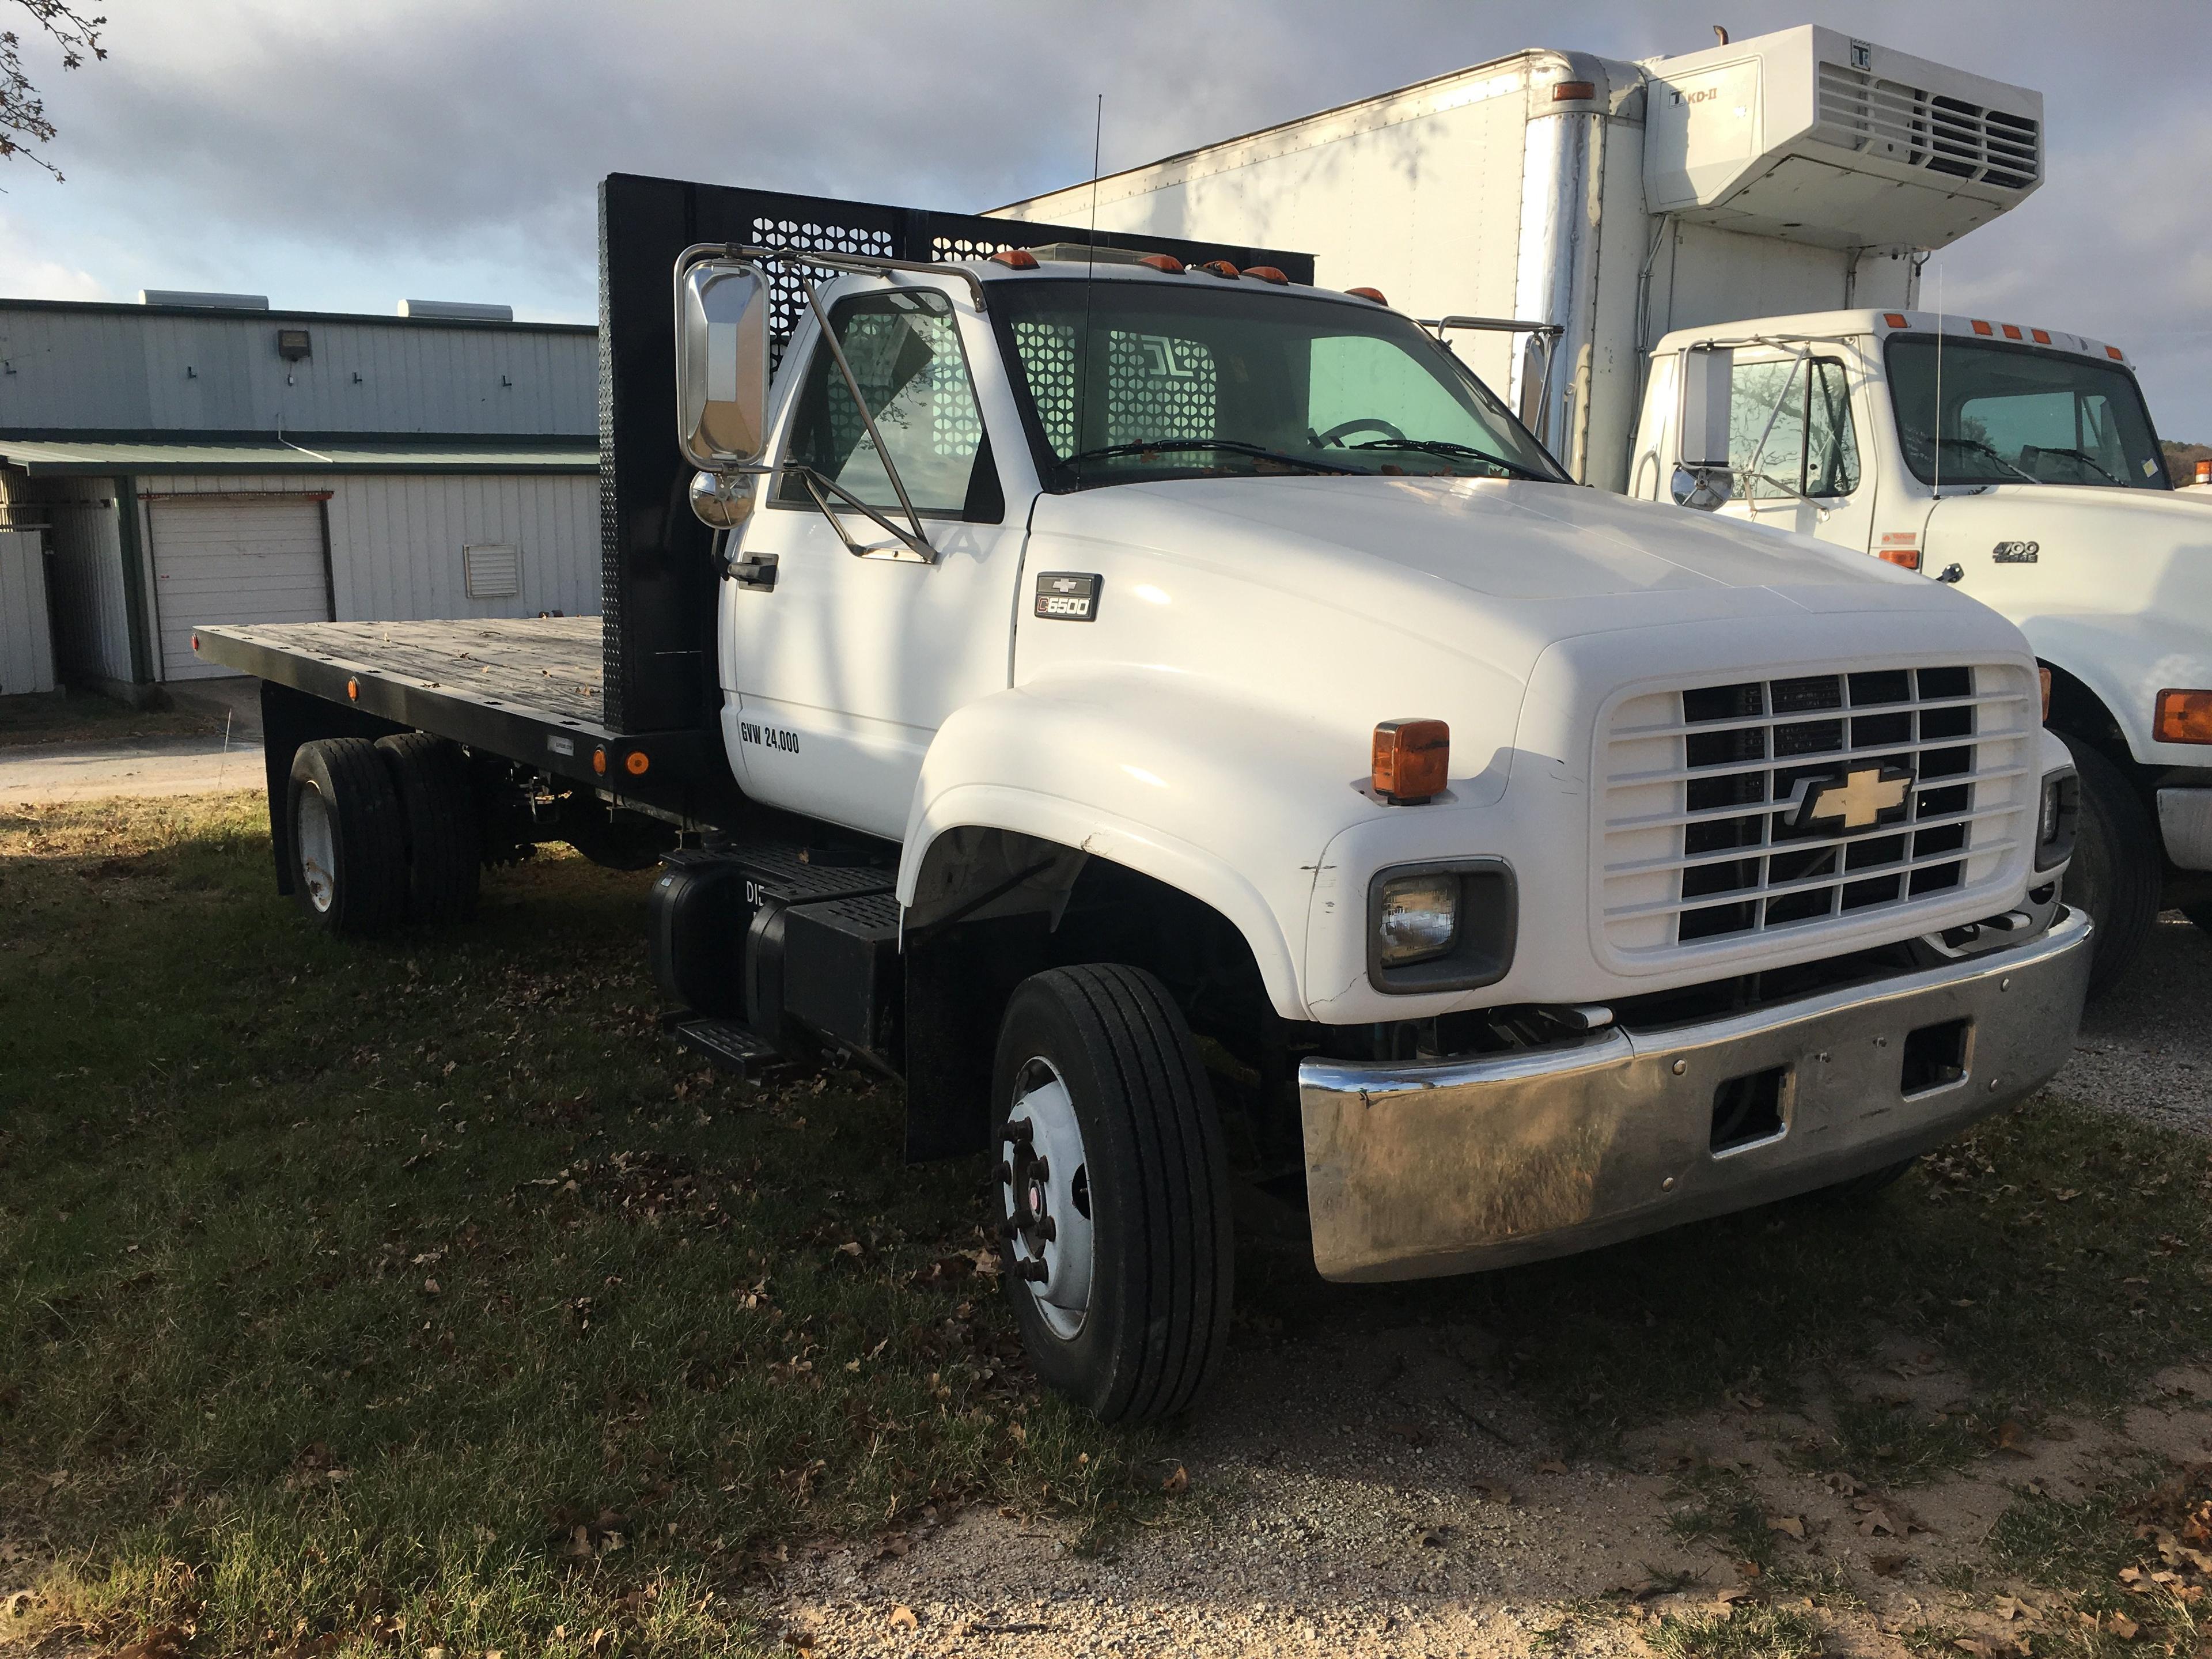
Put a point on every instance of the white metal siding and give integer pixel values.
(232, 561)
(396, 539)
(26, 651)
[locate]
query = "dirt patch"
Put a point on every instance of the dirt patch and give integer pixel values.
(1387, 1504)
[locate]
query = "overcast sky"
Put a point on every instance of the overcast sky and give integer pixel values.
(341, 157)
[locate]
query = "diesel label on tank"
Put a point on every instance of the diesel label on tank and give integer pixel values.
(1067, 595)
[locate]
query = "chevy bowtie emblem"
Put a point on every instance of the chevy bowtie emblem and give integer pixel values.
(1859, 798)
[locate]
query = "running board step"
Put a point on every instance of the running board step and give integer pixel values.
(728, 1044)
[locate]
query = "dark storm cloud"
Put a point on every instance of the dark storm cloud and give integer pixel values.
(466, 133)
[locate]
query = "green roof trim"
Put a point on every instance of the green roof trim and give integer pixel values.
(44, 457)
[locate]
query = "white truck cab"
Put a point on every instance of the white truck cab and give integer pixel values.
(2019, 464)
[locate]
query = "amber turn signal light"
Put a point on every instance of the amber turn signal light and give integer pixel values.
(2043, 675)
(1907, 558)
(635, 762)
(1412, 758)
(2183, 717)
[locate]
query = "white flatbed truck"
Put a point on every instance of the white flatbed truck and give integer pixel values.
(1576, 224)
(1113, 649)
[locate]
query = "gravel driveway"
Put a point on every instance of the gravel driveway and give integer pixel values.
(2147, 1048)
(1375, 1494)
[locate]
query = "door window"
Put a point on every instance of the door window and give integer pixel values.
(1789, 430)
(904, 349)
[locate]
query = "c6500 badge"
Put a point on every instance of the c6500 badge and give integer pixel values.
(1066, 596)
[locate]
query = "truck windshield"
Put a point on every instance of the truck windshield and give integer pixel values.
(1140, 381)
(2014, 414)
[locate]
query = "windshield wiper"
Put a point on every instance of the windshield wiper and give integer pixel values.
(1445, 447)
(1234, 446)
(2075, 454)
(1991, 451)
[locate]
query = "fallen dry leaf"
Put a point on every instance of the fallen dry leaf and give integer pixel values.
(2011, 1437)
(1730, 1597)
(902, 1617)
(2123, 1626)
(2008, 1608)
(1792, 1524)
(1551, 1466)
(1176, 1483)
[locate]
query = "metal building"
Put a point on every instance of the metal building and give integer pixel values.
(201, 458)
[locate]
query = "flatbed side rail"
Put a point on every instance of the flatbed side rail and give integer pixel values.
(684, 772)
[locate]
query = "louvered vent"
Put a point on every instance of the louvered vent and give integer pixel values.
(492, 571)
(1907, 125)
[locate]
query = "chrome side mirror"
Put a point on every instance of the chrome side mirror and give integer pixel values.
(1701, 439)
(1704, 488)
(721, 364)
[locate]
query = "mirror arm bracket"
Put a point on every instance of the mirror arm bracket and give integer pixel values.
(917, 547)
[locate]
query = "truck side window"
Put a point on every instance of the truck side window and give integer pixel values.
(1789, 430)
(904, 349)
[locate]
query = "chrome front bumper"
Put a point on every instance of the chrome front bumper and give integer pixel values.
(1416, 1170)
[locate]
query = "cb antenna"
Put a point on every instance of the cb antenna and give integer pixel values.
(1089, 267)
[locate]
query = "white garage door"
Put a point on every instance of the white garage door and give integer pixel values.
(234, 562)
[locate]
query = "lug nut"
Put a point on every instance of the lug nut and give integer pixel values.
(1033, 1270)
(1019, 1132)
(1048, 1229)
(1006, 1173)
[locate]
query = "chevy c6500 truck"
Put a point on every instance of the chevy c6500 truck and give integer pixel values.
(1574, 224)
(1112, 649)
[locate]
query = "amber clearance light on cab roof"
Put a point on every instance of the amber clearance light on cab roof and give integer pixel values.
(2183, 717)
(1412, 759)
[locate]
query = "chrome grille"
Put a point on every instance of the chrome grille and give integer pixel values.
(1946, 134)
(1706, 832)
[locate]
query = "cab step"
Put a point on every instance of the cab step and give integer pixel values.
(730, 1045)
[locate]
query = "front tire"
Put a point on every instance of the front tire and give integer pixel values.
(1115, 1241)
(348, 845)
(2117, 868)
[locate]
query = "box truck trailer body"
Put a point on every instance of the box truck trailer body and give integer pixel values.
(1795, 171)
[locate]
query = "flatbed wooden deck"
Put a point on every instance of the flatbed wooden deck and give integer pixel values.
(549, 665)
(531, 690)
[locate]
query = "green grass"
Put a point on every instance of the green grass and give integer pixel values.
(2145, 1521)
(423, 1288)
(1745, 1631)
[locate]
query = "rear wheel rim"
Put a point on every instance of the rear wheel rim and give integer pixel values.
(1044, 1190)
(317, 849)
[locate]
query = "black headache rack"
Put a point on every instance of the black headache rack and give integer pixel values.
(658, 579)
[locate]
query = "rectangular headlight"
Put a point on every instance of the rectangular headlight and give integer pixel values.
(1444, 925)
(1417, 919)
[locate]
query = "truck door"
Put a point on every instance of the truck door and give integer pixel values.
(1794, 418)
(844, 668)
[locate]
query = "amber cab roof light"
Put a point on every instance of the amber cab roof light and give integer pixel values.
(1015, 258)
(1412, 759)
(1166, 262)
(1371, 294)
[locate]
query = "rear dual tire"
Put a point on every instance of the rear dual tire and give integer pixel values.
(382, 833)
(1116, 1239)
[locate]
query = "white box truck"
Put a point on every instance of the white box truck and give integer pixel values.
(1584, 230)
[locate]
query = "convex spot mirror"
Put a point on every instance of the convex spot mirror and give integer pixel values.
(1704, 488)
(721, 363)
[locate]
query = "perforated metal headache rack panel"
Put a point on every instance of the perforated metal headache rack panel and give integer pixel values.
(657, 580)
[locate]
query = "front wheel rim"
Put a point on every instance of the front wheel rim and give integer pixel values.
(317, 849)
(1044, 1190)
